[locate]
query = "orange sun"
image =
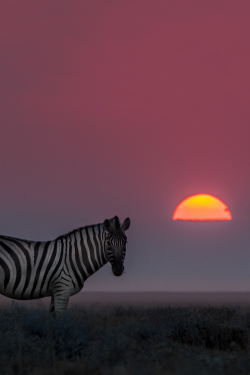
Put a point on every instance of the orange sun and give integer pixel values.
(202, 207)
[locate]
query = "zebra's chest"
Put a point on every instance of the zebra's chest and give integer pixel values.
(66, 281)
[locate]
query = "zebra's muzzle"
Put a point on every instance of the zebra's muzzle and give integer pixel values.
(118, 269)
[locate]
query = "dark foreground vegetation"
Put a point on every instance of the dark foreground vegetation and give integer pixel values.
(125, 341)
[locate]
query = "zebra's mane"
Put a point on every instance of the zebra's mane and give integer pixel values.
(76, 230)
(115, 221)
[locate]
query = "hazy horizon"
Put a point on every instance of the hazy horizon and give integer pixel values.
(126, 109)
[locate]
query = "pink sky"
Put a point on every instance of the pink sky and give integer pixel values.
(126, 108)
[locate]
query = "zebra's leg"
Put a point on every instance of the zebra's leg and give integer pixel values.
(61, 300)
(52, 305)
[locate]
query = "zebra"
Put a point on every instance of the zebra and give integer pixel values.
(59, 268)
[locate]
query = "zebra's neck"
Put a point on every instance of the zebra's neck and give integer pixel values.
(85, 252)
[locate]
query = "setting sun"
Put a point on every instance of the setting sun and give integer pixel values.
(202, 207)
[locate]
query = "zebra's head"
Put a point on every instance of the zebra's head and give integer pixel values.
(115, 244)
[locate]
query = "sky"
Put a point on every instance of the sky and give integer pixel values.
(126, 108)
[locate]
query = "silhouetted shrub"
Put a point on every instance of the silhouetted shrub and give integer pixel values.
(212, 328)
(125, 341)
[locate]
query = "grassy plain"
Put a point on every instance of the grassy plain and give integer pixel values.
(121, 341)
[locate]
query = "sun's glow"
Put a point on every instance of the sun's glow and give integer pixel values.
(202, 207)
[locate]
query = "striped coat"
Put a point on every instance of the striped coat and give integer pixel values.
(58, 268)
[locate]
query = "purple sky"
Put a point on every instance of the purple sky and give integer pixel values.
(126, 108)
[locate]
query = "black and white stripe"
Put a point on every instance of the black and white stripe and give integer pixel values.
(58, 268)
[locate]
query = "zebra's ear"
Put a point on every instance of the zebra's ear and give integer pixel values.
(107, 225)
(126, 224)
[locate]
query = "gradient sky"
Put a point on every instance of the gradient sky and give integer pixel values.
(126, 108)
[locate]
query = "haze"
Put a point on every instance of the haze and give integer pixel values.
(126, 108)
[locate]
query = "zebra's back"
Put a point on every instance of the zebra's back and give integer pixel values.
(27, 268)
